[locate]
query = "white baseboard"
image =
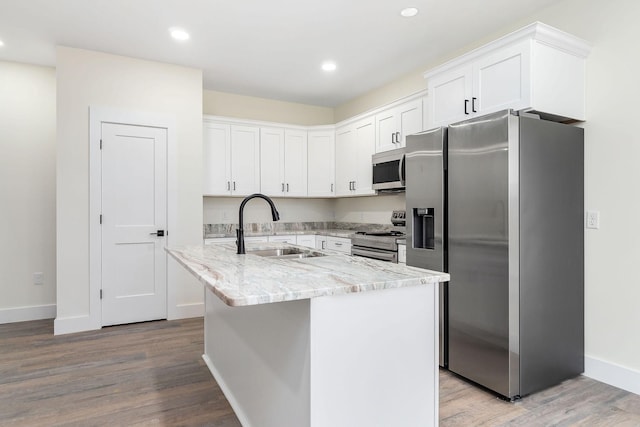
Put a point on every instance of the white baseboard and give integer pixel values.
(612, 374)
(187, 311)
(72, 324)
(24, 314)
(237, 408)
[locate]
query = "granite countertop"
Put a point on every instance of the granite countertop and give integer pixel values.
(251, 279)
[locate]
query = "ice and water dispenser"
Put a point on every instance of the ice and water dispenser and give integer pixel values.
(423, 228)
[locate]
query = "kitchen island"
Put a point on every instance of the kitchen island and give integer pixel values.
(329, 340)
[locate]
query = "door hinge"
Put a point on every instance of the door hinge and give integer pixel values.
(100, 218)
(101, 144)
(100, 293)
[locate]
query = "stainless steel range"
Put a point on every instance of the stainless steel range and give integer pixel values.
(380, 245)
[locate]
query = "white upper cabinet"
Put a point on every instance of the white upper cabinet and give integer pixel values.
(272, 161)
(295, 163)
(216, 159)
(231, 159)
(283, 162)
(245, 160)
(393, 125)
(321, 160)
(538, 69)
(355, 144)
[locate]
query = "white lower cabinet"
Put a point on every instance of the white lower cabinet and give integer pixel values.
(216, 240)
(321, 242)
(339, 244)
(308, 240)
(284, 239)
(402, 254)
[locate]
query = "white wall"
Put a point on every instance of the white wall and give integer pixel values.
(27, 191)
(86, 78)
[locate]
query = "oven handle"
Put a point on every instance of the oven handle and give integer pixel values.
(374, 254)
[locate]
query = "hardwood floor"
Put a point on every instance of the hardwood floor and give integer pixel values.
(152, 374)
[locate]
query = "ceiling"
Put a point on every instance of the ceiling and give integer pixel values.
(265, 48)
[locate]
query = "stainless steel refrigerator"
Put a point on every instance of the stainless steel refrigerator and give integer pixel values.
(498, 202)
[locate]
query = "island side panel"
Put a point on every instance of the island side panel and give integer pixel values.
(374, 358)
(259, 355)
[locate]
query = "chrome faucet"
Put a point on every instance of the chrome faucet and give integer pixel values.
(240, 230)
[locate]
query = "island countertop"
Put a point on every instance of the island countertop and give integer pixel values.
(250, 279)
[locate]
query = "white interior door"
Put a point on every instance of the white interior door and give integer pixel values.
(134, 210)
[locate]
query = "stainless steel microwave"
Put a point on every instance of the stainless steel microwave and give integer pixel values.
(388, 170)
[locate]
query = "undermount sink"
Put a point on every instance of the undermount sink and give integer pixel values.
(285, 253)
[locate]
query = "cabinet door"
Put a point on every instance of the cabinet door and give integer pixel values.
(386, 129)
(272, 161)
(216, 159)
(321, 242)
(245, 160)
(502, 79)
(308, 240)
(295, 163)
(321, 158)
(365, 137)
(447, 95)
(345, 160)
(409, 120)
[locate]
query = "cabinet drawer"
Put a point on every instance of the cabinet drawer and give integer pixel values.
(339, 244)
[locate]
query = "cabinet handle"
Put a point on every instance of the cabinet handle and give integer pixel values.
(283, 187)
(398, 137)
(332, 188)
(354, 185)
(337, 243)
(234, 186)
(287, 187)
(473, 104)
(323, 244)
(228, 186)
(466, 106)
(393, 139)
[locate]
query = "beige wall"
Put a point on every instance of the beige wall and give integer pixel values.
(27, 191)
(86, 78)
(249, 107)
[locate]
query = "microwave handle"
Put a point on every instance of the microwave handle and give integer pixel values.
(400, 168)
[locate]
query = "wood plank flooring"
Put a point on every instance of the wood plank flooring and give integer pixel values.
(152, 374)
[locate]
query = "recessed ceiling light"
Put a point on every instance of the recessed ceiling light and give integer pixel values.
(329, 66)
(179, 34)
(409, 12)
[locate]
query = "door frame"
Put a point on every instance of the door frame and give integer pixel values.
(97, 116)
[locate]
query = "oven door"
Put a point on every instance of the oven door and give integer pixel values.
(378, 254)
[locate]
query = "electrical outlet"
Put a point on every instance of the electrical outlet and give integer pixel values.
(593, 219)
(38, 278)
